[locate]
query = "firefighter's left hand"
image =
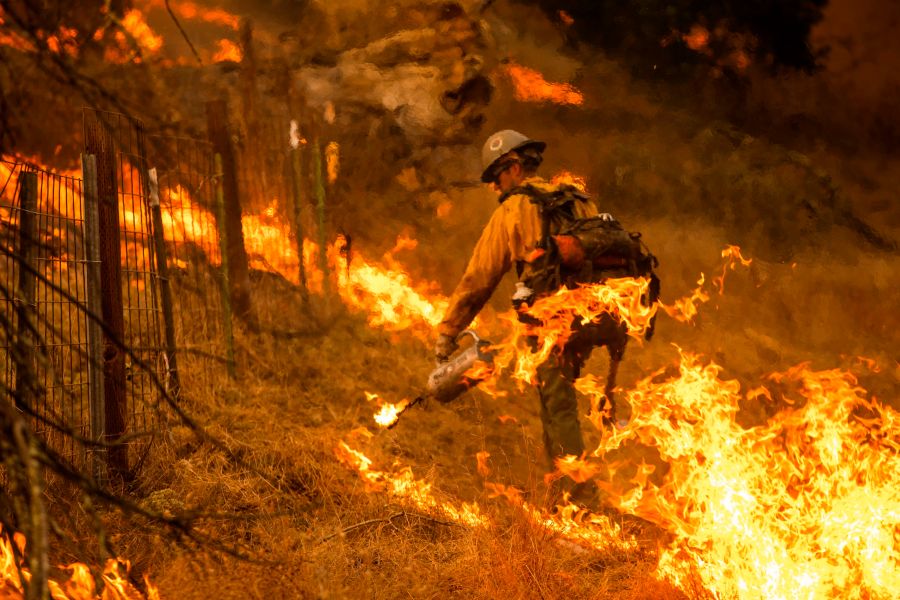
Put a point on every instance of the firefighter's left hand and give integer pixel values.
(606, 217)
(444, 347)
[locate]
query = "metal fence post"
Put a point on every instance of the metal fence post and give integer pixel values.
(27, 248)
(223, 252)
(162, 270)
(297, 188)
(99, 142)
(95, 308)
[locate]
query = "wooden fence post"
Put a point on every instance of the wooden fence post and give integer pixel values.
(230, 220)
(319, 183)
(165, 289)
(253, 157)
(95, 308)
(25, 307)
(223, 245)
(100, 143)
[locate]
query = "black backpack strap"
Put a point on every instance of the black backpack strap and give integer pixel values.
(549, 203)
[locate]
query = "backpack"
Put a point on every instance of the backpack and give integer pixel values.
(574, 251)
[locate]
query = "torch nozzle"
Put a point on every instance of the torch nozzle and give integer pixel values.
(400, 412)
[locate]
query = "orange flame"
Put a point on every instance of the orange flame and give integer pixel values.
(387, 294)
(594, 531)
(389, 413)
(63, 41)
(13, 39)
(482, 458)
(576, 468)
(733, 257)
(405, 486)
(530, 86)
(443, 209)
(79, 586)
(567, 178)
(227, 51)
(685, 309)
(510, 493)
(217, 16)
(803, 506)
(620, 298)
(697, 38)
(566, 18)
(332, 161)
(134, 23)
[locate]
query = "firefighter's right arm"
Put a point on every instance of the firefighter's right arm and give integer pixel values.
(490, 261)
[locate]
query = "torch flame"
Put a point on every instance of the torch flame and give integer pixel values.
(389, 413)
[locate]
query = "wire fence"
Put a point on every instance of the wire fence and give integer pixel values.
(129, 280)
(137, 238)
(42, 223)
(187, 193)
(82, 391)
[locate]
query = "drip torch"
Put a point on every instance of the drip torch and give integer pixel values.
(448, 380)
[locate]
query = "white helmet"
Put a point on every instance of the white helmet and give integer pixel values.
(500, 144)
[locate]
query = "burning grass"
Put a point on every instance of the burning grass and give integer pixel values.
(396, 504)
(328, 534)
(333, 533)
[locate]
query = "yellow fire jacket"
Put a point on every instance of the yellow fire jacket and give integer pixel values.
(510, 235)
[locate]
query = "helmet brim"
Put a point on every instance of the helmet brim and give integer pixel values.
(488, 175)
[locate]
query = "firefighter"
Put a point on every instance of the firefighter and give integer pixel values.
(511, 159)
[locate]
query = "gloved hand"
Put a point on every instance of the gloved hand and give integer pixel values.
(444, 347)
(606, 217)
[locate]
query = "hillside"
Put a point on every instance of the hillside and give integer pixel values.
(764, 393)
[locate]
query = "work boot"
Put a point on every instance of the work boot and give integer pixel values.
(585, 495)
(564, 491)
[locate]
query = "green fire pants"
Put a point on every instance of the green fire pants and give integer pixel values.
(556, 385)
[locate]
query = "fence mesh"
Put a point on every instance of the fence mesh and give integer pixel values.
(187, 195)
(44, 347)
(140, 283)
(50, 238)
(57, 353)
